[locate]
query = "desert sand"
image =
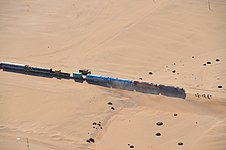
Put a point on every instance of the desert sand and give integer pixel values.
(173, 39)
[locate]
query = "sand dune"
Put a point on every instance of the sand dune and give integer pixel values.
(181, 42)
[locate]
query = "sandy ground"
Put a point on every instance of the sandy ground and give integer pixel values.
(126, 39)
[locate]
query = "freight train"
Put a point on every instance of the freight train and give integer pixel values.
(85, 75)
(138, 86)
(33, 70)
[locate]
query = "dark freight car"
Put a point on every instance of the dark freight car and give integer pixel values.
(40, 70)
(172, 91)
(65, 75)
(12, 66)
(146, 87)
(60, 74)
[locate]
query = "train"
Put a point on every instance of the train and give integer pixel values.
(27, 69)
(138, 86)
(85, 75)
(13, 66)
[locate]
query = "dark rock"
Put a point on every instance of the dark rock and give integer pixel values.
(219, 86)
(150, 73)
(180, 143)
(158, 134)
(204, 64)
(159, 123)
(110, 103)
(91, 140)
(112, 108)
(217, 59)
(94, 123)
(175, 114)
(88, 141)
(131, 146)
(141, 78)
(208, 63)
(192, 57)
(173, 71)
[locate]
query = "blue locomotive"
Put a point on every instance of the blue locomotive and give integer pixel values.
(109, 81)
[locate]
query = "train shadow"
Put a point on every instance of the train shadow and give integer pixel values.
(59, 77)
(146, 90)
(103, 84)
(78, 80)
(176, 95)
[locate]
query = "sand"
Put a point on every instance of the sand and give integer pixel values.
(173, 39)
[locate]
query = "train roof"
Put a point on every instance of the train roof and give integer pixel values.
(9, 63)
